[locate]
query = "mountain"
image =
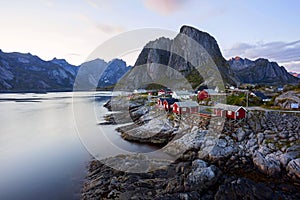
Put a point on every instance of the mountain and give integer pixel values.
(295, 74)
(25, 72)
(261, 71)
(28, 73)
(88, 76)
(196, 56)
(188, 60)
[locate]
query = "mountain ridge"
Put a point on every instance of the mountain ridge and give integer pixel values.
(261, 71)
(191, 58)
(24, 72)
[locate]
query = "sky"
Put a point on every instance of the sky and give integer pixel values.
(73, 29)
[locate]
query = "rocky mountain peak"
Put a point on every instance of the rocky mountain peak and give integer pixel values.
(208, 42)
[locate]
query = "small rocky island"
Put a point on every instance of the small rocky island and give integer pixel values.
(254, 158)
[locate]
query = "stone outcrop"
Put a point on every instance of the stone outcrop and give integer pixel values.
(257, 158)
(286, 99)
(201, 176)
(293, 169)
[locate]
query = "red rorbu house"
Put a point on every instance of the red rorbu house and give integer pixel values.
(168, 103)
(230, 111)
(160, 102)
(203, 95)
(187, 107)
(161, 92)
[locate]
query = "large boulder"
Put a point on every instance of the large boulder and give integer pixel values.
(267, 165)
(293, 169)
(291, 153)
(286, 99)
(202, 176)
(218, 151)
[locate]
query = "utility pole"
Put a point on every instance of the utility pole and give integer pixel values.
(247, 102)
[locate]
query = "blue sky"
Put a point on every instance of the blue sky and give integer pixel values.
(73, 29)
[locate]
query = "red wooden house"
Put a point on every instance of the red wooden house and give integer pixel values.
(230, 111)
(160, 102)
(186, 107)
(203, 95)
(161, 92)
(168, 103)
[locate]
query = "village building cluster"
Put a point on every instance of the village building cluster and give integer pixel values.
(210, 101)
(183, 102)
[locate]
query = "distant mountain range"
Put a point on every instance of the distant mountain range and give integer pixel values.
(261, 71)
(295, 74)
(28, 73)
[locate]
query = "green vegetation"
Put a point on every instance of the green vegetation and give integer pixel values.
(237, 99)
(241, 100)
(292, 87)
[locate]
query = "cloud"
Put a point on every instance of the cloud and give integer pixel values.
(164, 7)
(93, 4)
(105, 28)
(74, 54)
(277, 51)
(292, 66)
(285, 53)
(109, 29)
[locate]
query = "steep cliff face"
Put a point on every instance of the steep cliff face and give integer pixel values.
(192, 56)
(261, 71)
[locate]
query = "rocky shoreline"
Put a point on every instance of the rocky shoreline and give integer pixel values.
(257, 158)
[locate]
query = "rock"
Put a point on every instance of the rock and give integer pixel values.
(293, 169)
(283, 135)
(243, 188)
(267, 165)
(113, 194)
(158, 130)
(135, 115)
(260, 137)
(241, 134)
(285, 159)
(189, 141)
(264, 150)
(292, 152)
(218, 153)
(201, 176)
(286, 99)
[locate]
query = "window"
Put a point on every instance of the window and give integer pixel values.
(229, 112)
(184, 109)
(237, 114)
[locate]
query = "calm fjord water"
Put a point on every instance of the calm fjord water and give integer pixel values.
(41, 155)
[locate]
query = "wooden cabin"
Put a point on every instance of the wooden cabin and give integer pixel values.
(161, 92)
(182, 94)
(230, 111)
(203, 95)
(187, 107)
(160, 102)
(168, 103)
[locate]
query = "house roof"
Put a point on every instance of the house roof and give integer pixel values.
(161, 99)
(228, 107)
(171, 100)
(261, 95)
(181, 93)
(187, 104)
(210, 91)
